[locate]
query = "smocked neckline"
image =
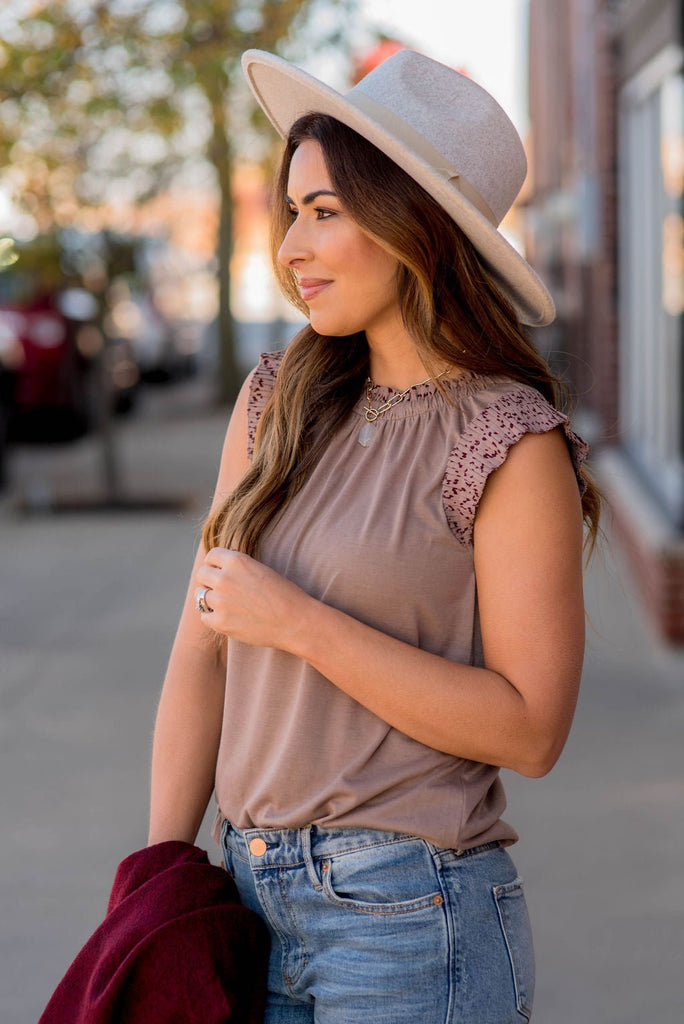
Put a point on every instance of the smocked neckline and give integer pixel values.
(421, 395)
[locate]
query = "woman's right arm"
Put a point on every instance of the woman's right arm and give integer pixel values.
(188, 725)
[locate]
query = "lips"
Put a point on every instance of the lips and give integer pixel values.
(312, 286)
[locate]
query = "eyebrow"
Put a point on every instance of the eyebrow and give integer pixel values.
(311, 197)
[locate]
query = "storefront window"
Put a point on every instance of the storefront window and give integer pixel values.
(651, 257)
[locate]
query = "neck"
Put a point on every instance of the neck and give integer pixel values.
(394, 361)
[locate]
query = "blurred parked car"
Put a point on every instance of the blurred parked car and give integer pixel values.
(11, 361)
(57, 344)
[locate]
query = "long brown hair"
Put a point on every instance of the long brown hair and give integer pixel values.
(450, 304)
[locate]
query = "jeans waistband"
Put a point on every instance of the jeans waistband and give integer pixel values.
(266, 847)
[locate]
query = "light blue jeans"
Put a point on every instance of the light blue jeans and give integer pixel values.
(380, 926)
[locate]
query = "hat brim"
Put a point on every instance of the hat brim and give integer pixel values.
(286, 93)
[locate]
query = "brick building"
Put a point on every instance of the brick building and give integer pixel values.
(605, 229)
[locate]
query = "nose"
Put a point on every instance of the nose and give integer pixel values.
(294, 247)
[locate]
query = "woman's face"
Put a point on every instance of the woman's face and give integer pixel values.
(347, 280)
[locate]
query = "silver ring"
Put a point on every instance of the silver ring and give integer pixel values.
(201, 598)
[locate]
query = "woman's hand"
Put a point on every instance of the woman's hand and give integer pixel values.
(250, 602)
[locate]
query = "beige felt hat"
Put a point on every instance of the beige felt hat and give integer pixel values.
(443, 129)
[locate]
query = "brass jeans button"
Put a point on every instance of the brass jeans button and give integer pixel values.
(257, 847)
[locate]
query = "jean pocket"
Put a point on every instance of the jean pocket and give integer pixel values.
(397, 877)
(517, 933)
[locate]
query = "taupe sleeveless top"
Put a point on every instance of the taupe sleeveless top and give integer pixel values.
(384, 533)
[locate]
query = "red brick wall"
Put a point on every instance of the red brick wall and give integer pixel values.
(659, 575)
(570, 39)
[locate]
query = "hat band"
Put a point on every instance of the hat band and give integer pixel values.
(421, 147)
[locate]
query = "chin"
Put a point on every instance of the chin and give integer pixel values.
(332, 327)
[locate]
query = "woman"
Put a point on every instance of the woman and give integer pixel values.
(394, 558)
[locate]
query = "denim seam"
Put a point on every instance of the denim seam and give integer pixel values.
(303, 955)
(502, 892)
(451, 918)
(309, 859)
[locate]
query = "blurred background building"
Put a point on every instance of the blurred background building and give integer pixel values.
(606, 231)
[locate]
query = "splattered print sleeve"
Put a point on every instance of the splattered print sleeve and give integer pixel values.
(484, 445)
(261, 389)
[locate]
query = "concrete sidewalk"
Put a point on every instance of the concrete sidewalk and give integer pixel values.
(87, 615)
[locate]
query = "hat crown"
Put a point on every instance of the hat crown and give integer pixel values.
(457, 117)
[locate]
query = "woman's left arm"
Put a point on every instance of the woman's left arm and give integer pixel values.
(516, 711)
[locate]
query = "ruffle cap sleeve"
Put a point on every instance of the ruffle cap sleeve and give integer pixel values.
(260, 390)
(484, 445)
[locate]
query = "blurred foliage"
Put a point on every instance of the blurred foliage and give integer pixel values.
(41, 259)
(116, 98)
(8, 256)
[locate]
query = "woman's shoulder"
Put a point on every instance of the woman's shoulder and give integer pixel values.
(501, 408)
(500, 412)
(479, 392)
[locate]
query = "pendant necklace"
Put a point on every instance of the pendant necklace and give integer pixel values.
(371, 415)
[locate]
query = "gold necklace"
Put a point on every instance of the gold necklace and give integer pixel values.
(371, 415)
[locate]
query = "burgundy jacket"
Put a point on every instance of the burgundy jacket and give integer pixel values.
(176, 947)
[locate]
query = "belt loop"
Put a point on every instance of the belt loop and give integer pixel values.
(307, 853)
(474, 850)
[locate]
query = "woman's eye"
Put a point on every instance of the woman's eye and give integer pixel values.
(321, 214)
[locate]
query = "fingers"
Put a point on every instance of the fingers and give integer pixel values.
(208, 576)
(220, 558)
(244, 599)
(213, 578)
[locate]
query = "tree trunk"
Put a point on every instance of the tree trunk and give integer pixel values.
(222, 157)
(228, 370)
